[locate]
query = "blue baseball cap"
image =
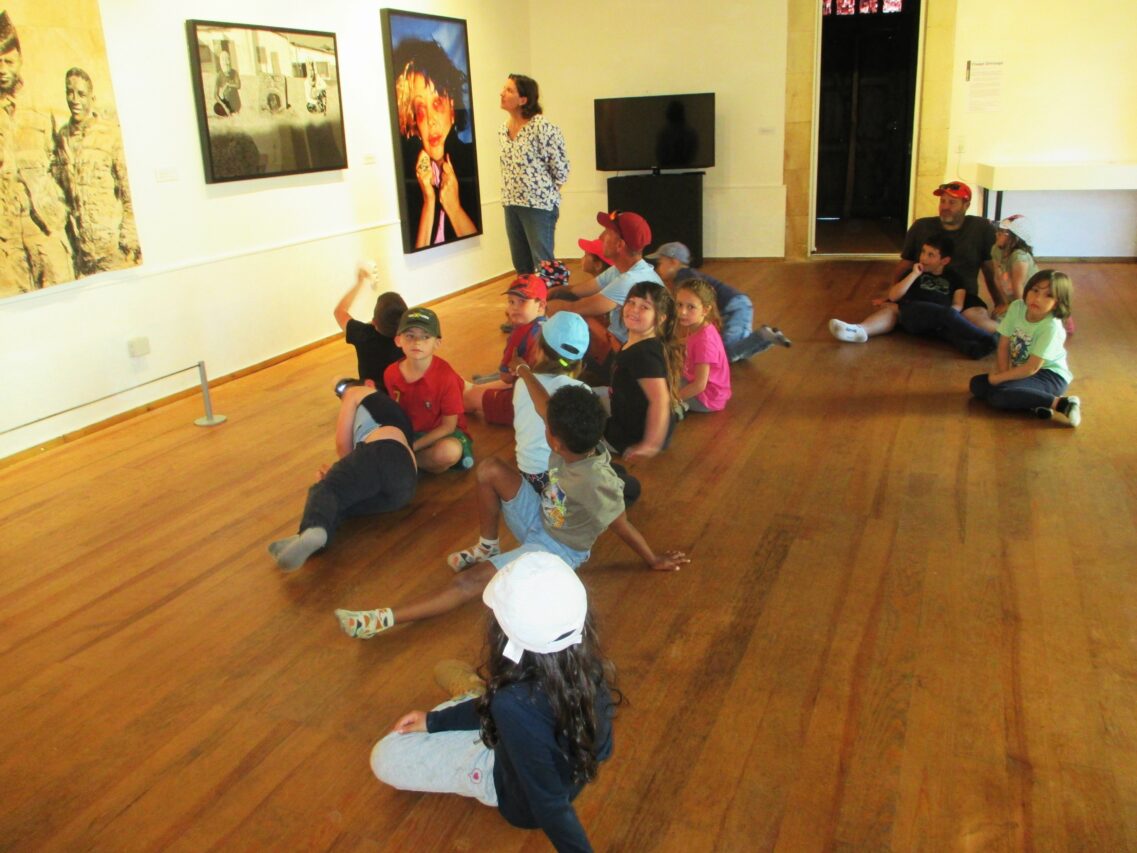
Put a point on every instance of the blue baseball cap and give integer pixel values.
(567, 334)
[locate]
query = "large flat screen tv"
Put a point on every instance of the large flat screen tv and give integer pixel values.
(655, 132)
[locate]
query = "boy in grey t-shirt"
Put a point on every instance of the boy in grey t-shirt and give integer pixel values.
(583, 499)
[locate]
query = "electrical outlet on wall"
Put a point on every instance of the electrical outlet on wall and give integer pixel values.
(138, 347)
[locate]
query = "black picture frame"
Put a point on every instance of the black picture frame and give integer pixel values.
(427, 59)
(284, 116)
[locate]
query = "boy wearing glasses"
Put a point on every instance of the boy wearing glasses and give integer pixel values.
(973, 237)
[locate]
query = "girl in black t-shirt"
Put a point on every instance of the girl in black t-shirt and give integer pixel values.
(646, 375)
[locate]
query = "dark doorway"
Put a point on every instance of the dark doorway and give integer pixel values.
(864, 152)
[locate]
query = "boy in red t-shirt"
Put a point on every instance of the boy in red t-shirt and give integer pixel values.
(526, 312)
(430, 392)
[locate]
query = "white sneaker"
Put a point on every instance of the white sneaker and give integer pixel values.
(848, 332)
(1074, 410)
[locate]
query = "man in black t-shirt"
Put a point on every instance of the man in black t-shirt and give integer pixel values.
(973, 237)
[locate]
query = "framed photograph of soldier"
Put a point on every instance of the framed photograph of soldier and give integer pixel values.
(268, 100)
(432, 128)
(65, 204)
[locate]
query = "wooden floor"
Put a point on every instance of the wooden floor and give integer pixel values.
(909, 622)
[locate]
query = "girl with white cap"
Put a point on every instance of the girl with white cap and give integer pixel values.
(536, 736)
(1013, 258)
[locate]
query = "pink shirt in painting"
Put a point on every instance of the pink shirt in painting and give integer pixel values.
(705, 347)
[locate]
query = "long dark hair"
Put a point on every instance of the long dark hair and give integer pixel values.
(666, 319)
(570, 679)
(527, 88)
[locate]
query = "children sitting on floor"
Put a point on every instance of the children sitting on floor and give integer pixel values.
(526, 312)
(374, 342)
(646, 375)
(430, 392)
(545, 715)
(673, 263)
(375, 473)
(584, 497)
(563, 343)
(1031, 371)
(706, 369)
(927, 301)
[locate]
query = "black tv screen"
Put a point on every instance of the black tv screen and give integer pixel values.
(655, 132)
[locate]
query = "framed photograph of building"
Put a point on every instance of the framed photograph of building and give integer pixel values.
(432, 128)
(268, 100)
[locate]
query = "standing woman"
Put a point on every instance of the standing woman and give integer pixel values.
(534, 167)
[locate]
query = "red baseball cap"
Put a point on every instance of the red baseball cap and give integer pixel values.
(631, 228)
(956, 189)
(594, 247)
(529, 286)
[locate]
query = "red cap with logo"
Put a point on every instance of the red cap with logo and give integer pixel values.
(956, 189)
(529, 286)
(631, 228)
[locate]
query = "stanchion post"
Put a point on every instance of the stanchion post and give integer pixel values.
(210, 419)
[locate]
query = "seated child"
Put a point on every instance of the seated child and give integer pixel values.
(376, 473)
(1031, 373)
(646, 375)
(706, 369)
(526, 312)
(583, 498)
(673, 263)
(563, 342)
(430, 392)
(592, 263)
(545, 719)
(1013, 258)
(374, 342)
(927, 301)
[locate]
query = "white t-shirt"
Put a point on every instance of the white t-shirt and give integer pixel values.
(532, 449)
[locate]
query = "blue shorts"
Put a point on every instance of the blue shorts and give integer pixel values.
(524, 520)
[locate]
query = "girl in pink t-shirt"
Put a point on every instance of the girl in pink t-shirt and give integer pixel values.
(706, 371)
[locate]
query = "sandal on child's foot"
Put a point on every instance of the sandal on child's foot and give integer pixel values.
(365, 624)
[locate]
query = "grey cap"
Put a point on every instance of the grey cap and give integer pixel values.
(671, 250)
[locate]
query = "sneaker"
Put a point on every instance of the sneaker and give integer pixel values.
(365, 624)
(1043, 413)
(775, 336)
(848, 332)
(459, 561)
(458, 679)
(1074, 411)
(507, 327)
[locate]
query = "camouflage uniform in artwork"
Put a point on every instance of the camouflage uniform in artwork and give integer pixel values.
(92, 170)
(37, 210)
(32, 203)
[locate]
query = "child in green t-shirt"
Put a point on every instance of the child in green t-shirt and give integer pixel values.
(1031, 372)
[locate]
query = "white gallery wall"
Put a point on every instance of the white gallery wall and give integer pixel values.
(1064, 93)
(234, 274)
(238, 273)
(616, 48)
